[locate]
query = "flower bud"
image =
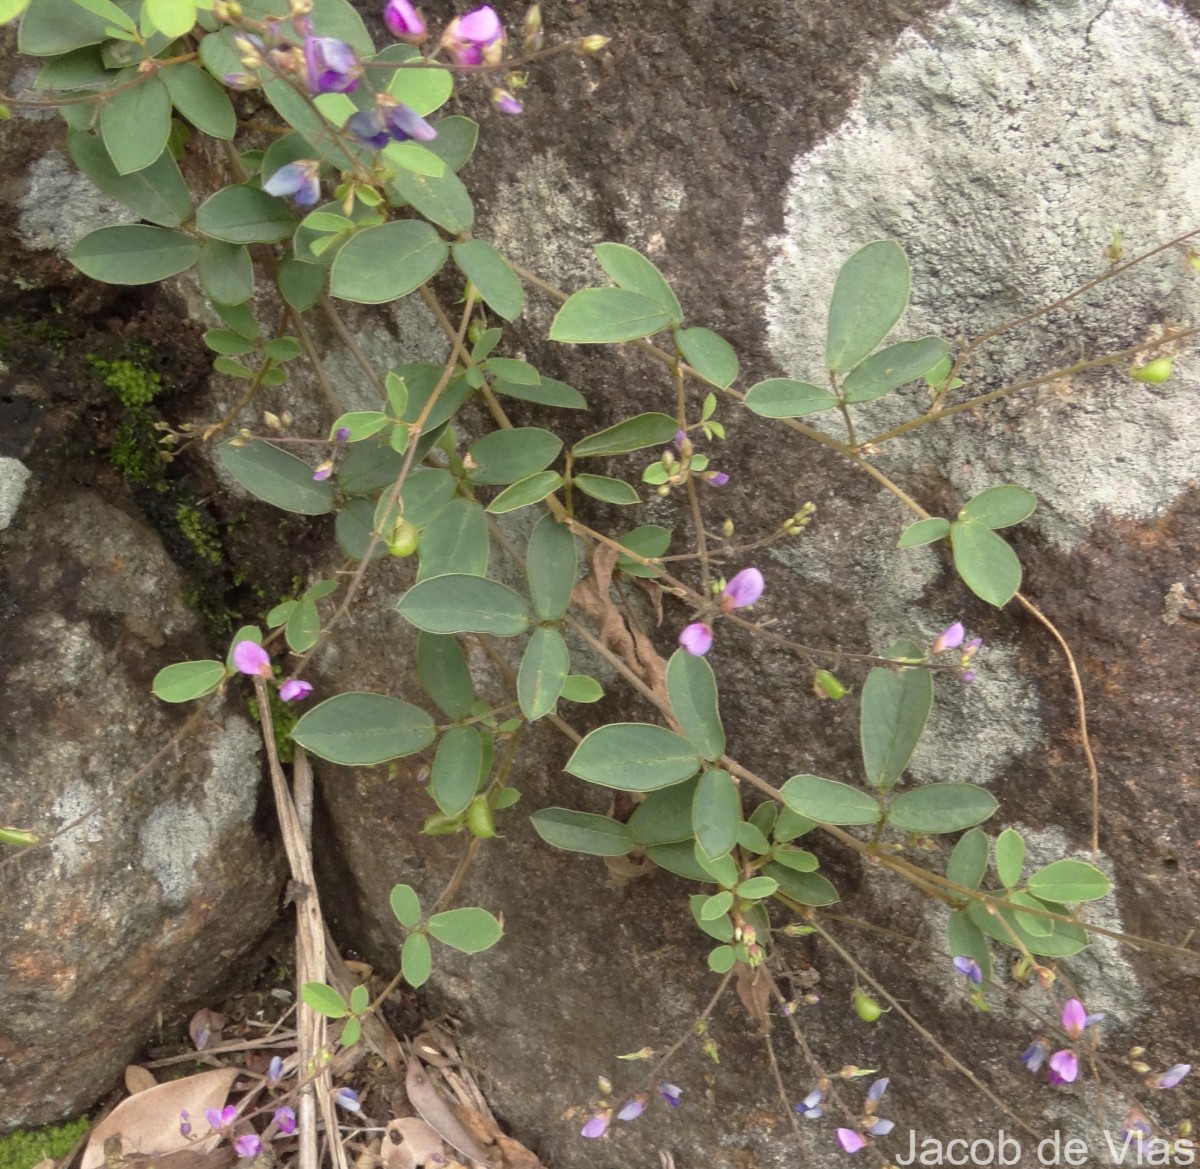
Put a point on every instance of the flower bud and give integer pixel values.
(727, 529)
(1154, 371)
(272, 420)
(709, 1047)
(534, 36)
(867, 1008)
(589, 45)
(404, 538)
(826, 685)
(1136, 1052)
(1139, 1067)
(605, 1085)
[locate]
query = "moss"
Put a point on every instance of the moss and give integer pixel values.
(284, 717)
(135, 452)
(26, 1147)
(198, 530)
(134, 384)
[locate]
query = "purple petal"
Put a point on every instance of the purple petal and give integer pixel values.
(877, 1089)
(596, 1127)
(464, 54)
(342, 434)
(1035, 1055)
(881, 1127)
(403, 19)
(950, 638)
(185, 1127)
(718, 478)
(213, 1117)
(1064, 1067)
(969, 967)
(323, 471)
(295, 690)
(403, 123)
(347, 1098)
(368, 128)
(481, 27)
(274, 1070)
(974, 644)
(287, 180)
(967, 677)
(248, 1145)
(331, 65)
(632, 1109)
(285, 1120)
(697, 639)
(250, 658)
(504, 103)
(744, 589)
(670, 1093)
(1172, 1076)
(1074, 1018)
(850, 1140)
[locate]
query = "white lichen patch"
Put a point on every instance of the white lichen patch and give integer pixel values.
(1001, 150)
(62, 205)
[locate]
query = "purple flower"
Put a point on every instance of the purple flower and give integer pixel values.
(347, 1098)
(950, 638)
(1137, 1125)
(969, 967)
(274, 1070)
(295, 690)
(632, 1108)
(223, 1119)
(670, 1093)
(1074, 1018)
(850, 1140)
(285, 1120)
(185, 1126)
(745, 588)
(717, 478)
(967, 677)
(323, 471)
(240, 81)
(403, 123)
(248, 1145)
(881, 1127)
(342, 434)
(680, 438)
(404, 20)
(475, 37)
(810, 1107)
(504, 103)
(250, 658)
(595, 1127)
(1172, 1076)
(1035, 1055)
(332, 65)
(300, 179)
(697, 639)
(367, 126)
(1064, 1067)
(877, 1089)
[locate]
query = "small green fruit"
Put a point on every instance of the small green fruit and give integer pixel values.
(1154, 371)
(480, 820)
(868, 1009)
(828, 686)
(404, 538)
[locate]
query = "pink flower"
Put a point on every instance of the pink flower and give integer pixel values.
(294, 690)
(250, 658)
(950, 638)
(404, 20)
(248, 1145)
(285, 1120)
(1172, 1076)
(697, 639)
(633, 1108)
(1074, 1018)
(474, 38)
(850, 1140)
(595, 1127)
(743, 590)
(504, 103)
(1064, 1067)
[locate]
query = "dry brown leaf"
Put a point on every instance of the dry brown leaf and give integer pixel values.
(48, 1163)
(219, 1158)
(428, 1101)
(205, 1028)
(409, 1143)
(149, 1122)
(754, 989)
(138, 1079)
(515, 1154)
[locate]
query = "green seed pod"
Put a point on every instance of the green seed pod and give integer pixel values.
(868, 1009)
(1154, 371)
(404, 538)
(439, 824)
(480, 819)
(827, 685)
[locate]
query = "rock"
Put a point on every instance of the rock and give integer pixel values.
(152, 887)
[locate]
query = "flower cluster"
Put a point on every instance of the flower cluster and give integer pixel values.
(250, 658)
(675, 467)
(851, 1139)
(744, 589)
(1064, 1064)
(246, 1144)
(597, 1124)
(952, 638)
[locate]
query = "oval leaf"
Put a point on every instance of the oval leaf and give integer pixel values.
(359, 729)
(716, 813)
(635, 757)
(664, 816)
(406, 906)
(893, 367)
(527, 491)
(245, 215)
(1010, 859)
(469, 930)
(692, 689)
(136, 123)
(445, 675)
(615, 491)
(942, 807)
(582, 832)
(987, 564)
(504, 456)
(456, 541)
(633, 434)
(597, 315)
(278, 478)
(1069, 881)
(455, 776)
(1000, 507)
(544, 668)
(924, 532)
(895, 706)
(416, 960)
(630, 270)
(494, 280)
(138, 254)
(968, 860)
(384, 263)
(870, 293)
(709, 354)
(461, 603)
(187, 680)
(324, 1000)
(829, 802)
(780, 397)
(551, 563)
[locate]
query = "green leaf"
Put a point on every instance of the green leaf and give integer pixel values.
(455, 141)
(137, 254)
(678, 858)
(276, 477)
(829, 802)
(509, 369)
(227, 341)
(462, 603)
(799, 860)
(469, 930)
(870, 293)
(504, 456)
(752, 840)
(631, 271)
(642, 430)
(780, 397)
(293, 105)
(895, 707)
(360, 423)
(987, 564)
(635, 757)
(764, 816)
(942, 807)
(1069, 881)
(239, 318)
(446, 200)
(136, 123)
(648, 541)
(1031, 923)
(406, 906)
(551, 562)
(353, 529)
(444, 673)
(924, 532)
(384, 263)
(300, 284)
(455, 775)
(414, 157)
(324, 1000)
(806, 888)
(665, 816)
(157, 192)
(598, 315)
(581, 688)
(716, 906)
(543, 671)
(245, 215)
(422, 89)
(175, 18)
(601, 487)
(226, 272)
(892, 367)
(964, 938)
(709, 354)
(1063, 940)
(426, 491)
(303, 628)
(582, 832)
(79, 69)
(200, 99)
(416, 960)
(279, 615)
(494, 280)
(547, 392)
(756, 888)
(791, 825)
(1000, 507)
(456, 541)
(968, 860)
(187, 680)
(716, 812)
(359, 729)
(531, 489)
(1010, 859)
(232, 368)
(720, 928)
(721, 960)
(51, 27)
(352, 1031)
(692, 689)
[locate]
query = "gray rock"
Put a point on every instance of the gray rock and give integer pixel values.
(13, 477)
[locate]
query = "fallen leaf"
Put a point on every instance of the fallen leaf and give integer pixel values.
(138, 1079)
(149, 1122)
(754, 989)
(409, 1143)
(515, 1154)
(434, 1110)
(205, 1028)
